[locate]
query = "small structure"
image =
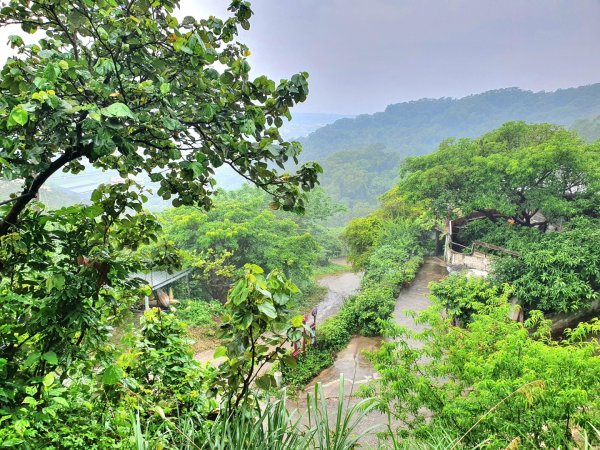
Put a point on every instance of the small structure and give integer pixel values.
(159, 280)
(478, 262)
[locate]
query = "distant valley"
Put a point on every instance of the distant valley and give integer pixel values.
(360, 155)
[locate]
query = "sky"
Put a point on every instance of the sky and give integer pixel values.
(365, 54)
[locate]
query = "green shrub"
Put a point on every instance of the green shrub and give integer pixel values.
(333, 334)
(361, 236)
(462, 295)
(199, 312)
(497, 378)
(364, 310)
(557, 272)
(309, 365)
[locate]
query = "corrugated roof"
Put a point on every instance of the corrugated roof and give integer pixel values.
(161, 278)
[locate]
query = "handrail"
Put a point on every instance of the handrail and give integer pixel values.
(496, 248)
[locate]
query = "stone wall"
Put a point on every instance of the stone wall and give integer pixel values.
(476, 261)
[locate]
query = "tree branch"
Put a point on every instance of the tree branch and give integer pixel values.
(29, 194)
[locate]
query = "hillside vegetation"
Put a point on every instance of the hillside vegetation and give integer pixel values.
(416, 127)
(476, 376)
(588, 129)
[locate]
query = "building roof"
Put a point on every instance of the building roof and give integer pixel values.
(161, 278)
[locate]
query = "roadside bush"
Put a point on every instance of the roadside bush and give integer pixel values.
(462, 295)
(365, 309)
(361, 236)
(309, 364)
(333, 334)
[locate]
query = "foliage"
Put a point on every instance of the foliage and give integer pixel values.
(199, 312)
(127, 86)
(161, 369)
(90, 404)
(498, 232)
(309, 364)
(360, 236)
(357, 178)
(334, 333)
(65, 281)
(83, 408)
(518, 171)
(255, 330)
(363, 312)
(255, 427)
(321, 219)
(490, 383)
(588, 129)
(389, 267)
(462, 295)
(398, 256)
(212, 275)
(416, 127)
(331, 269)
(392, 263)
(241, 228)
(343, 435)
(557, 271)
(269, 426)
(395, 223)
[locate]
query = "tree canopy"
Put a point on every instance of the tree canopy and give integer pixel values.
(125, 85)
(532, 174)
(240, 228)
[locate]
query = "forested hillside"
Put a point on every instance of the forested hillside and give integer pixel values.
(588, 129)
(417, 127)
(358, 177)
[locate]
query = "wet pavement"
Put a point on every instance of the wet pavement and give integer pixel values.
(351, 362)
(339, 287)
(415, 297)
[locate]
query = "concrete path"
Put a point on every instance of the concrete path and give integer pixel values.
(339, 287)
(352, 362)
(415, 297)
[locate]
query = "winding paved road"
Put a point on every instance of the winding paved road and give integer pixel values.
(351, 361)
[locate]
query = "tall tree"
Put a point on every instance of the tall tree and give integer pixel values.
(125, 85)
(518, 170)
(117, 84)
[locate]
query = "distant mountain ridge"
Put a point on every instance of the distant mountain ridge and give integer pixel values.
(302, 124)
(417, 127)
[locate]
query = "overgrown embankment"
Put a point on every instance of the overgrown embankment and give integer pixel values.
(388, 268)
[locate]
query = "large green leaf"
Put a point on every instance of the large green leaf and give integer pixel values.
(267, 309)
(117, 109)
(220, 352)
(112, 375)
(266, 382)
(18, 116)
(50, 357)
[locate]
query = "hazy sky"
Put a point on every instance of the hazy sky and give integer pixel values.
(365, 54)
